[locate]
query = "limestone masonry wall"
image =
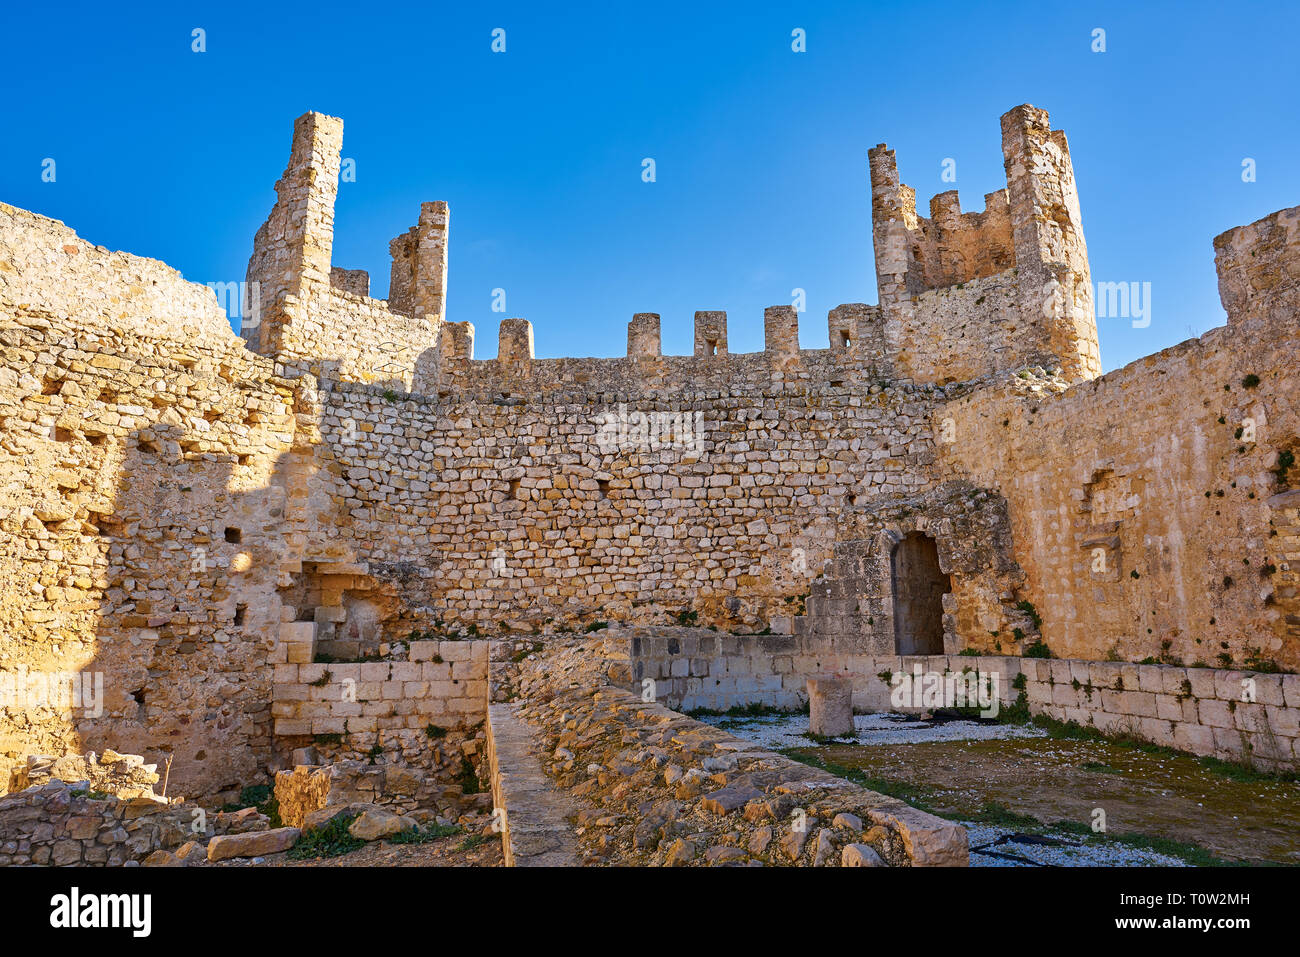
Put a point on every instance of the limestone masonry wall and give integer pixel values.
(568, 507)
(1147, 506)
(139, 504)
(444, 684)
(1257, 267)
(44, 264)
(1233, 715)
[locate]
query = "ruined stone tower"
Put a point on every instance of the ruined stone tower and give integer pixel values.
(966, 294)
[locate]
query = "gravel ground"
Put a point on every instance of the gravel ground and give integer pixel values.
(1000, 845)
(775, 732)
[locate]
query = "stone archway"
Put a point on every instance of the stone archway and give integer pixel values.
(918, 589)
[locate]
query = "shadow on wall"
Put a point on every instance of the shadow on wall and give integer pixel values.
(189, 616)
(205, 535)
(192, 538)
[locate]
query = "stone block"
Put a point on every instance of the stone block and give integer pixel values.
(830, 700)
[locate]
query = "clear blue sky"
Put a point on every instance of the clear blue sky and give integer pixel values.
(760, 151)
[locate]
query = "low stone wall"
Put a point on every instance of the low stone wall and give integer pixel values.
(692, 668)
(652, 786)
(303, 789)
(60, 823)
(534, 831)
(1234, 715)
(444, 684)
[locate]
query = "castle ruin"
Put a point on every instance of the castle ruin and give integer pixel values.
(326, 528)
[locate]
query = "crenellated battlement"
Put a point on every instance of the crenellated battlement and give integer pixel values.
(962, 295)
(319, 317)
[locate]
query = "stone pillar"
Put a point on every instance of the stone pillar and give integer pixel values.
(893, 217)
(781, 330)
(418, 282)
(515, 341)
(830, 706)
(314, 172)
(292, 249)
(643, 336)
(1259, 268)
(947, 267)
(430, 291)
(401, 278)
(710, 334)
(1047, 232)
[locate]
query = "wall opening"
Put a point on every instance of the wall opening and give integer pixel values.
(919, 586)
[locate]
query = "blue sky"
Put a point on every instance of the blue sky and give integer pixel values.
(760, 152)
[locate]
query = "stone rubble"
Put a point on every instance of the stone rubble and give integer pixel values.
(663, 789)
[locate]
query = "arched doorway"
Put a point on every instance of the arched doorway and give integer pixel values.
(919, 587)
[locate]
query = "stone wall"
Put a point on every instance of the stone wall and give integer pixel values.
(692, 669)
(1144, 506)
(444, 684)
(1239, 716)
(571, 506)
(63, 824)
(856, 599)
(1257, 271)
(334, 334)
(45, 266)
(1235, 715)
(139, 500)
(647, 785)
(964, 332)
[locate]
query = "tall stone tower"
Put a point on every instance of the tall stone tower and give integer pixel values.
(969, 294)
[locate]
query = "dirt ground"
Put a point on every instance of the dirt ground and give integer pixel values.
(1155, 794)
(443, 852)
